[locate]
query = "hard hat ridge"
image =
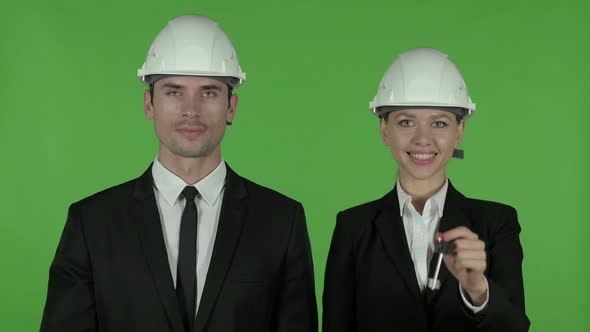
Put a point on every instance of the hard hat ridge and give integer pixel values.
(192, 45)
(422, 77)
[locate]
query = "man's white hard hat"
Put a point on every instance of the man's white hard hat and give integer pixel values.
(192, 45)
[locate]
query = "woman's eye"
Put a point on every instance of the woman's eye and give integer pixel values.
(406, 123)
(439, 124)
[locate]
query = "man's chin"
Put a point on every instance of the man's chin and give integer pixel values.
(193, 153)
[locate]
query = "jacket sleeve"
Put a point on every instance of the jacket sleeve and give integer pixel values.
(339, 286)
(506, 309)
(297, 307)
(70, 304)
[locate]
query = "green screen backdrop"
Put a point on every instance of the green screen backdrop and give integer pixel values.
(72, 123)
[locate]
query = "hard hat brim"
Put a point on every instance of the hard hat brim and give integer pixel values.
(238, 80)
(151, 79)
(460, 110)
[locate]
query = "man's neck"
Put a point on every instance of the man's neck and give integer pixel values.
(191, 170)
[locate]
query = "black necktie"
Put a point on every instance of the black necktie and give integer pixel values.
(186, 277)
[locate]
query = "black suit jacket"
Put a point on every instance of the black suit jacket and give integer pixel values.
(370, 282)
(111, 272)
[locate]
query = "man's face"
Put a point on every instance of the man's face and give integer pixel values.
(190, 115)
(421, 141)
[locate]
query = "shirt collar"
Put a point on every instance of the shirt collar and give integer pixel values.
(434, 205)
(171, 186)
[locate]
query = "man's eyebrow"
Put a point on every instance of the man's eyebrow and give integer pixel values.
(173, 85)
(210, 87)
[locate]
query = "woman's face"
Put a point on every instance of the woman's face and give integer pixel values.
(422, 141)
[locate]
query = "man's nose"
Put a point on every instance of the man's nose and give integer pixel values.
(191, 107)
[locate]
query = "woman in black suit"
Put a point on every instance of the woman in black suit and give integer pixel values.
(381, 271)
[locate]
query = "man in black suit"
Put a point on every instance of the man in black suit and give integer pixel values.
(189, 245)
(382, 266)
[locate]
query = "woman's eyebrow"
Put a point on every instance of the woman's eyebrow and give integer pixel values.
(439, 116)
(404, 114)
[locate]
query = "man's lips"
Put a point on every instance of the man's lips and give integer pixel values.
(190, 132)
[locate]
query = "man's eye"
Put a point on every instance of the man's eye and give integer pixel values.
(439, 124)
(210, 94)
(173, 93)
(406, 123)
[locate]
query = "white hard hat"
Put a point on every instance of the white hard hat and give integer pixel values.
(192, 45)
(423, 77)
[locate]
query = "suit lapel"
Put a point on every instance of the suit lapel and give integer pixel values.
(231, 219)
(391, 230)
(145, 213)
(453, 216)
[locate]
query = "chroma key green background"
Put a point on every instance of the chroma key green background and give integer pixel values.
(72, 123)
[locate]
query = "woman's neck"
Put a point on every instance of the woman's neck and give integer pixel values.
(421, 190)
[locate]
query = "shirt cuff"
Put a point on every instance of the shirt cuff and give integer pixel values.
(471, 306)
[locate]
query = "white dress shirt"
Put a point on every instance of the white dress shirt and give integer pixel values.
(420, 230)
(168, 190)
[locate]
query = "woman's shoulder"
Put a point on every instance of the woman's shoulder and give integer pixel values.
(480, 204)
(477, 204)
(360, 216)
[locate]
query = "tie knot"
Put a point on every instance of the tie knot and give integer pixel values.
(189, 193)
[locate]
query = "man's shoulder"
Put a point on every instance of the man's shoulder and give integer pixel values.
(266, 195)
(116, 195)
